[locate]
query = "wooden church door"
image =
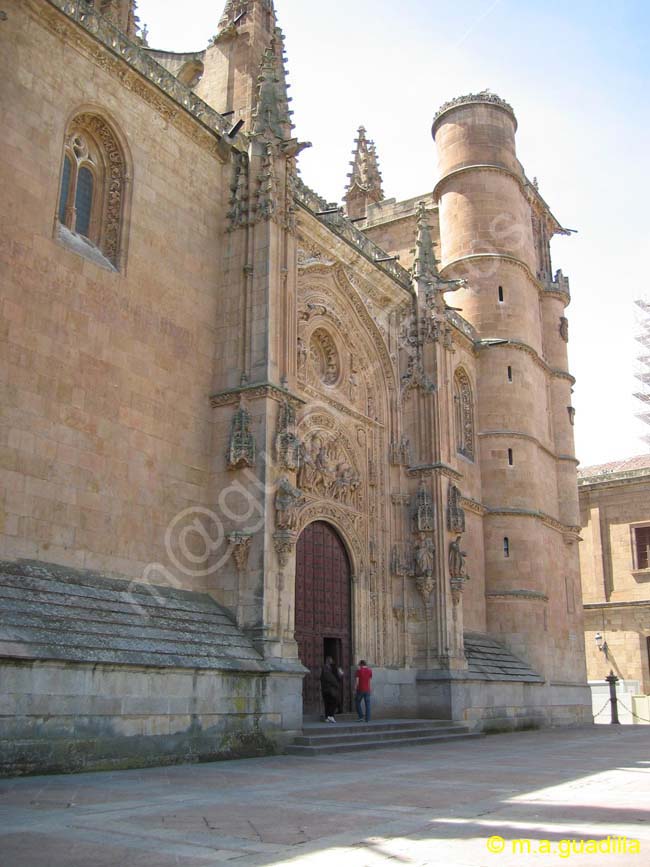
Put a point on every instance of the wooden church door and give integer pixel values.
(323, 610)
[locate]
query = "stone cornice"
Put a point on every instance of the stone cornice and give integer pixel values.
(255, 391)
(600, 606)
(484, 167)
(513, 343)
(434, 469)
(485, 98)
(521, 435)
(548, 520)
(525, 595)
(473, 506)
(615, 479)
(109, 48)
(503, 257)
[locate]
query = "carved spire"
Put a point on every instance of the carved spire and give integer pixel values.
(271, 114)
(122, 13)
(365, 185)
(425, 265)
(236, 12)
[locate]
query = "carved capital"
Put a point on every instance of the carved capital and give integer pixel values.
(240, 544)
(284, 542)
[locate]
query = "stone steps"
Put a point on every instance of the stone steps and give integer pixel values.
(325, 739)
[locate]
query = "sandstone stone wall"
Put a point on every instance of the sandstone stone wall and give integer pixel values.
(106, 415)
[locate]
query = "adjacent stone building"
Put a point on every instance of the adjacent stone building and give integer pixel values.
(615, 568)
(244, 428)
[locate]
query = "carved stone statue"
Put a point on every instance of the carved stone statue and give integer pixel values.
(287, 500)
(302, 358)
(457, 569)
(424, 558)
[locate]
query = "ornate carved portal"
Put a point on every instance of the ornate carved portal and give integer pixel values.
(323, 609)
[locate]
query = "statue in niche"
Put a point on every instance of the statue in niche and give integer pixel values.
(457, 570)
(287, 500)
(302, 358)
(424, 558)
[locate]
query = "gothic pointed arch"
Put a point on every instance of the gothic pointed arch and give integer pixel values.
(464, 414)
(93, 187)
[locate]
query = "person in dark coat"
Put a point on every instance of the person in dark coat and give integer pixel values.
(330, 684)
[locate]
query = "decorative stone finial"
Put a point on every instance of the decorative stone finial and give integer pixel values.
(272, 115)
(365, 181)
(425, 265)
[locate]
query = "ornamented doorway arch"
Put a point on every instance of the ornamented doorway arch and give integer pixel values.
(323, 609)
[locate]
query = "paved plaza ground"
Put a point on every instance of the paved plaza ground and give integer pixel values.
(433, 805)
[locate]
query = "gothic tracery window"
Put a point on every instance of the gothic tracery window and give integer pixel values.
(92, 188)
(464, 414)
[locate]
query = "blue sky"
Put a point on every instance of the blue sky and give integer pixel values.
(577, 74)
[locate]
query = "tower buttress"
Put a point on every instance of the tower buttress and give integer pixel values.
(365, 185)
(247, 30)
(122, 13)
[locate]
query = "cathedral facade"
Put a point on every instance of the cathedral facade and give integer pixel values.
(245, 428)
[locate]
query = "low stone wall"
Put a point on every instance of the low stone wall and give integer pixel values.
(484, 705)
(62, 717)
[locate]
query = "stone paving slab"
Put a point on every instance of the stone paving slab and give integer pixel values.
(427, 805)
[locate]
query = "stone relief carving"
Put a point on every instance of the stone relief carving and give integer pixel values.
(455, 512)
(415, 377)
(324, 357)
(240, 544)
(464, 411)
(241, 448)
(326, 471)
(284, 542)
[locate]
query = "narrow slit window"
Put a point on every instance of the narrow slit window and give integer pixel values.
(501, 294)
(506, 546)
(511, 458)
(509, 373)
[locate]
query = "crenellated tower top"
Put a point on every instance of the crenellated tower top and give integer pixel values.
(365, 184)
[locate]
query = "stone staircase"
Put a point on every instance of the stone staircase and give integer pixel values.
(347, 735)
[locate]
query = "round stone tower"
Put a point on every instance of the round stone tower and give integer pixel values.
(487, 238)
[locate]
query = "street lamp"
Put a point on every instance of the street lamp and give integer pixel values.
(601, 644)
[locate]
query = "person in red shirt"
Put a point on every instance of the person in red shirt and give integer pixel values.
(362, 690)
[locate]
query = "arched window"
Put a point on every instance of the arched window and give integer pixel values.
(464, 414)
(92, 189)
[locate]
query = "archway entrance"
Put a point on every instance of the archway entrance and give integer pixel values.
(323, 609)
